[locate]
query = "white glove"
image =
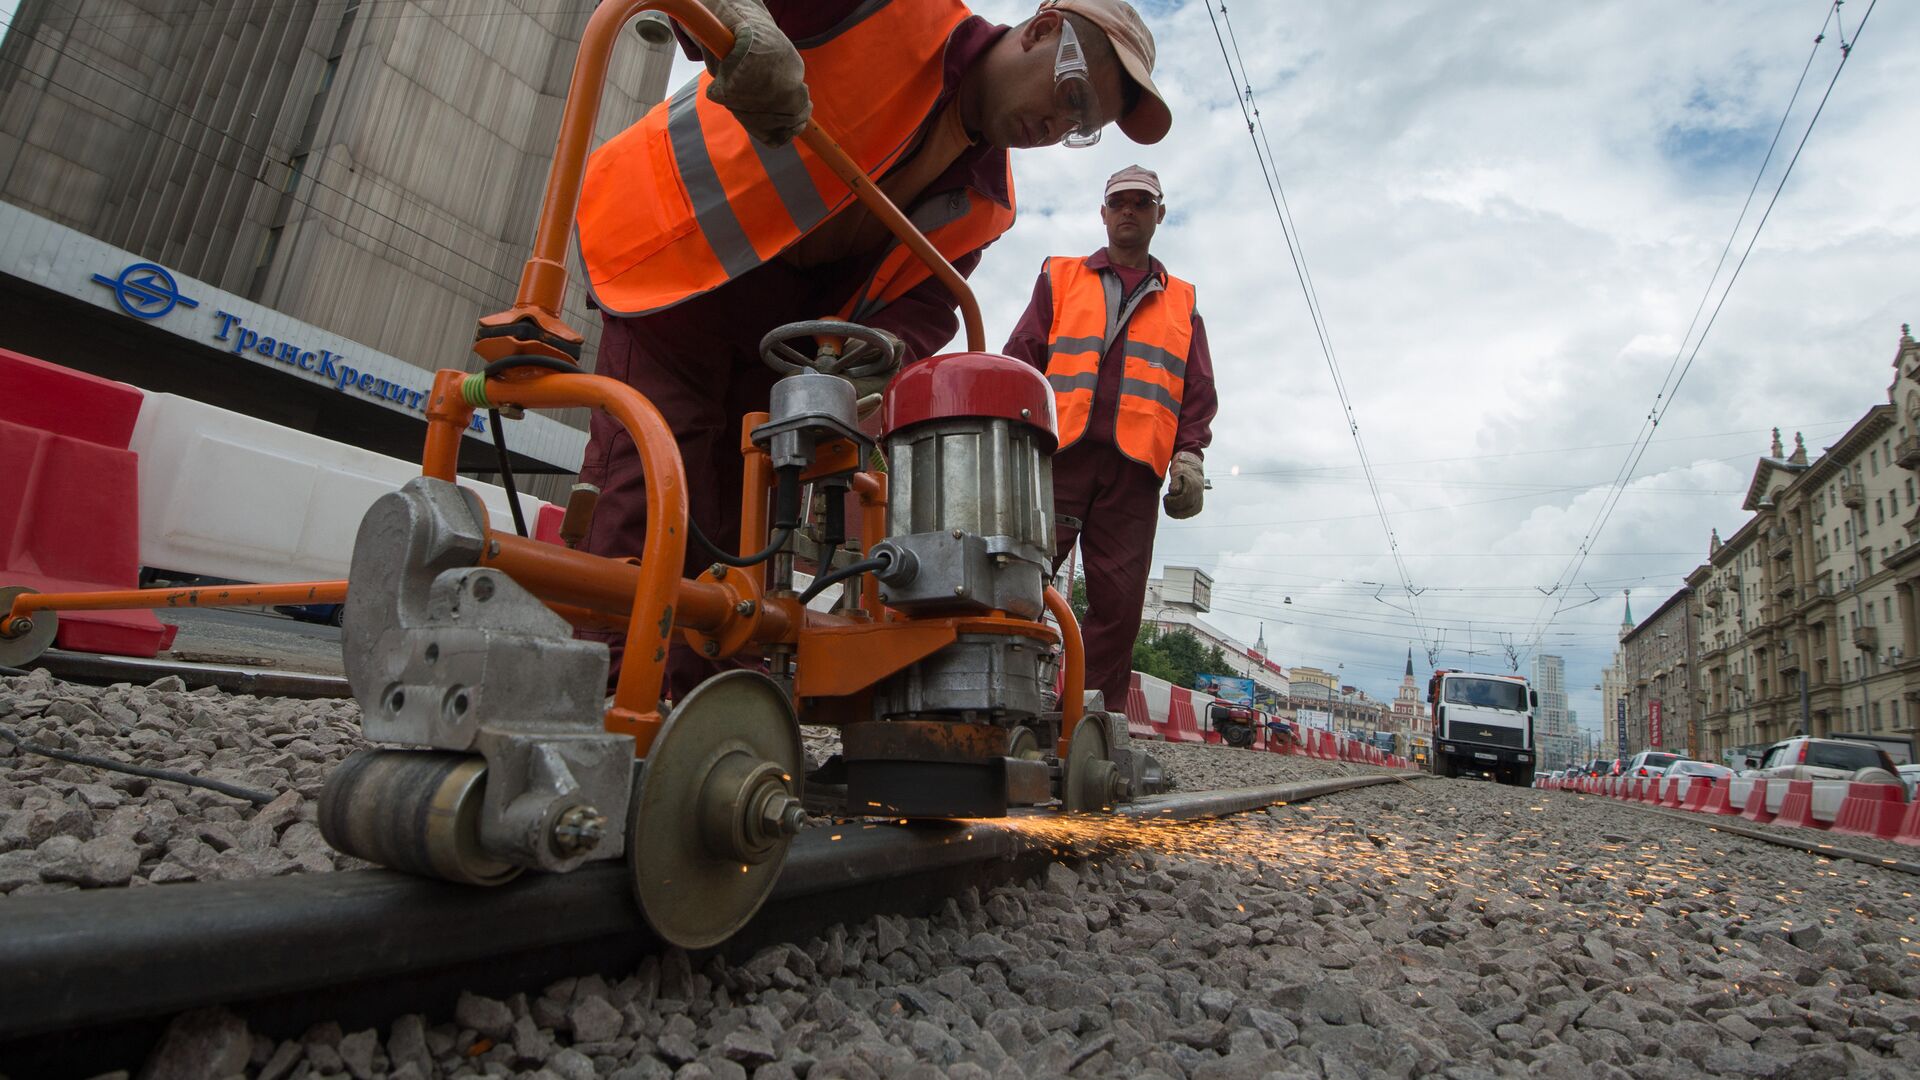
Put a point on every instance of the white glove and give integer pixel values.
(763, 80)
(1186, 482)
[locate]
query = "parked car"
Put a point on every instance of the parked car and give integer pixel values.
(1909, 779)
(1802, 758)
(1688, 767)
(1596, 767)
(1615, 768)
(1648, 763)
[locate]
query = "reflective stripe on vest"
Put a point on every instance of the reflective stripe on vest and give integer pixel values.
(684, 201)
(955, 221)
(1158, 327)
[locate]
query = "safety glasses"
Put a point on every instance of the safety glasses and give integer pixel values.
(1138, 200)
(1073, 89)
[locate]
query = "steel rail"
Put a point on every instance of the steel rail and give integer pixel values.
(102, 669)
(366, 945)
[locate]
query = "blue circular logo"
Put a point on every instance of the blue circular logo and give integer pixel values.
(145, 291)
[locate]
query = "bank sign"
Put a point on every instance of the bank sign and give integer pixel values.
(147, 291)
(1620, 726)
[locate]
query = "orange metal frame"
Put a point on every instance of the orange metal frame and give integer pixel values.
(725, 612)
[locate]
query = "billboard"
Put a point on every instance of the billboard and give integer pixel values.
(1653, 724)
(1226, 688)
(1315, 718)
(1620, 726)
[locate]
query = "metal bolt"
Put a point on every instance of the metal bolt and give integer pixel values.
(483, 589)
(22, 626)
(957, 534)
(782, 816)
(959, 590)
(578, 831)
(744, 607)
(719, 571)
(493, 549)
(1026, 414)
(711, 648)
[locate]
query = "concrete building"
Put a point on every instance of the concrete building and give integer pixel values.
(241, 201)
(1658, 665)
(1810, 613)
(1556, 739)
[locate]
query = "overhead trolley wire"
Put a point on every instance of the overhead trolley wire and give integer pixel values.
(1296, 251)
(1670, 387)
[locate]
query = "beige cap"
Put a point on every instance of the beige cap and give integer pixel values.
(1133, 44)
(1134, 178)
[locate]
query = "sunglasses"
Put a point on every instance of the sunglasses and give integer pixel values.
(1073, 89)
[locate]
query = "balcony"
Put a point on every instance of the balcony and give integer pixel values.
(1907, 453)
(1866, 638)
(1853, 496)
(1714, 597)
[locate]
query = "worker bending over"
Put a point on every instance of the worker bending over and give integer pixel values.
(1123, 345)
(705, 225)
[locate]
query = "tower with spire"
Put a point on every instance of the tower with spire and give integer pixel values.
(1626, 620)
(1407, 715)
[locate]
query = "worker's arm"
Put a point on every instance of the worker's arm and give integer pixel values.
(926, 316)
(1029, 340)
(1200, 402)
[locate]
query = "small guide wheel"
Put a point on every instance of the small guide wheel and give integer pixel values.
(1024, 744)
(718, 805)
(412, 810)
(25, 646)
(1090, 777)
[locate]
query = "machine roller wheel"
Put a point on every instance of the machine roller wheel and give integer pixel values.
(25, 646)
(1023, 743)
(412, 810)
(717, 808)
(1091, 780)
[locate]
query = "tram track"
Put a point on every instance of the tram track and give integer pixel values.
(90, 978)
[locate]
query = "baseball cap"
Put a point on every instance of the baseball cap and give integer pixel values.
(1150, 118)
(1134, 178)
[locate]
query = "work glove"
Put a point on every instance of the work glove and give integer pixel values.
(868, 388)
(1185, 482)
(763, 80)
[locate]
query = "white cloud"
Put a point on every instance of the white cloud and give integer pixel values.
(1510, 215)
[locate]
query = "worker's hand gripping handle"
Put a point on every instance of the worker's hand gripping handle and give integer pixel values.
(533, 325)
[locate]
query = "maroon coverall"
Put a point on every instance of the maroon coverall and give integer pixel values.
(1102, 497)
(699, 361)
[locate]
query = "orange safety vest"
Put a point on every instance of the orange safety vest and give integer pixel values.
(1088, 316)
(685, 200)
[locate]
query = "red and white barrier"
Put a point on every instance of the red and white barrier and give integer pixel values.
(69, 498)
(1871, 810)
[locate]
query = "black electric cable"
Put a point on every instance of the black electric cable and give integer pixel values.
(11, 672)
(834, 577)
(494, 370)
(780, 537)
(233, 790)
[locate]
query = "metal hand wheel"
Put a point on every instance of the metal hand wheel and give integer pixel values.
(865, 351)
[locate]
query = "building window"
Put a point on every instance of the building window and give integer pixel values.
(1886, 607)
(1876, 716)
(1879, 512)
(1909, 491)
(1866, 559)
(1873, 458)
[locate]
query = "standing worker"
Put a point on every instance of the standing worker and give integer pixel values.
(705, 225)
(1126, 352)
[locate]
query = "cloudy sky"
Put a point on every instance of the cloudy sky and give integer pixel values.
(1510, 213)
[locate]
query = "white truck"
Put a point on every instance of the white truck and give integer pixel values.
(1483, 724)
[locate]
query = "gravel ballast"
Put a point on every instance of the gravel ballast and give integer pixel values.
(1433, 928)
(65, 826)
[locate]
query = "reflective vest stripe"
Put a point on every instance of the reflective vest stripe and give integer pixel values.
(1067, 384)
(1159, 395)
(710, 207)
(956, 222)
(1157, 357)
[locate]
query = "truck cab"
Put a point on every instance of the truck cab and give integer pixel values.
(1483, 724)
